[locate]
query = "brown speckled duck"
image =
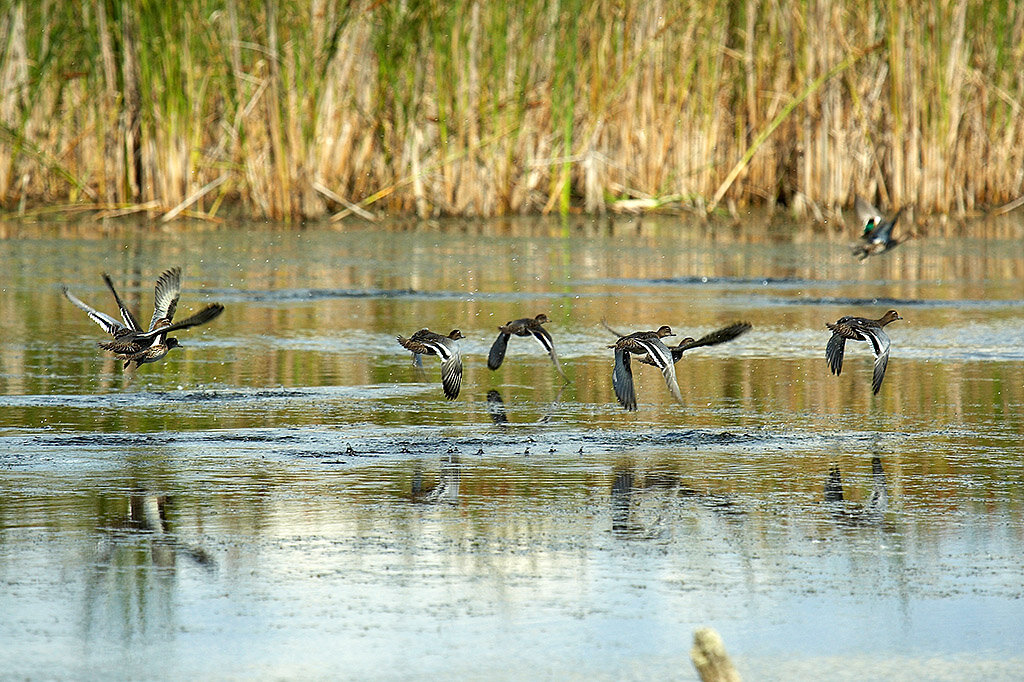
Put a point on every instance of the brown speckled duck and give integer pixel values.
(861, 329)
(648, 345)
(527, 326)
(714, 338)
(138, 346)
(426, 342)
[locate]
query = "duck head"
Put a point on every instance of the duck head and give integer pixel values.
(664, 330)
(455, 335)
(541, 319)
(890, 316)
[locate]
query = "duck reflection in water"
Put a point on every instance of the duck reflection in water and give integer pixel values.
(499, 415)
(146, 518)
(446, 490)
(132, 587)
(849, 514)
(652, 499)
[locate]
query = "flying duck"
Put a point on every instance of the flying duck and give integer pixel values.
(648, 345)
(527, 326)
(138, 346)
(876, 237)
(426, 342)
(861, 329)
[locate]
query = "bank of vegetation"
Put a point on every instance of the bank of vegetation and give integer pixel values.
(293, 110)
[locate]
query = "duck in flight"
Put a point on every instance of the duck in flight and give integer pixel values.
(712, 339)
(650, 347)
(426, 342)
(876, 237)
(527, 326)
(861, 329)
(138, 346)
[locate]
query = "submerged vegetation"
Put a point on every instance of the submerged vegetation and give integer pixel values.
(298, 110)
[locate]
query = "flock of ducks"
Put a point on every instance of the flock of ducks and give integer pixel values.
(132, 343)
(137, 346)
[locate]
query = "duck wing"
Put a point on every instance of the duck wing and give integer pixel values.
(661, 356)
(880, 346)
(883, 233)
(108, 323)
(165, 296)
(202, 317)
(126, 314)
(604, 323)
(713, 339)
(451, 368)
(545, 340)
(834, 352)
(622, 380)
(497, 354)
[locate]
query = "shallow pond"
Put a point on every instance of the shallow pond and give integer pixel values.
(287, 496)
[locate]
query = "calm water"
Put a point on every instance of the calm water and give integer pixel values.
(287, 496)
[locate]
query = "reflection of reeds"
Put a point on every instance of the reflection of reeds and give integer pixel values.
(486, 108)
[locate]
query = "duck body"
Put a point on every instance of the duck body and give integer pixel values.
(527, 326)
(712, 339)
(861, 329)
(446, 348)
(132, 343)
(651, 348)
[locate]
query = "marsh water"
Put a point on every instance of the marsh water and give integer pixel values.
(287, 496)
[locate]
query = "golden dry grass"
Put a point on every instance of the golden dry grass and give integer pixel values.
(299, 110)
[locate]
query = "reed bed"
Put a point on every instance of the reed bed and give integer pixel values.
(295, 110)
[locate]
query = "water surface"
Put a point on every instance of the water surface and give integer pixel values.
(288, 496)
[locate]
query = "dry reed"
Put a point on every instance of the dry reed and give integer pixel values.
(297, 110)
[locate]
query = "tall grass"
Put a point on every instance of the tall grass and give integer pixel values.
(296, 110)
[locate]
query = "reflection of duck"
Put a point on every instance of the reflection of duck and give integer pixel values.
(871, 513)
(446, 491)
(147, 514)
(861, 329)
(131, 587)
(623, 522)
(527, 326)
(496, 407)
(652, 497)
(650, 346)
(131, 342)
(876, 237)
(426, 342)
